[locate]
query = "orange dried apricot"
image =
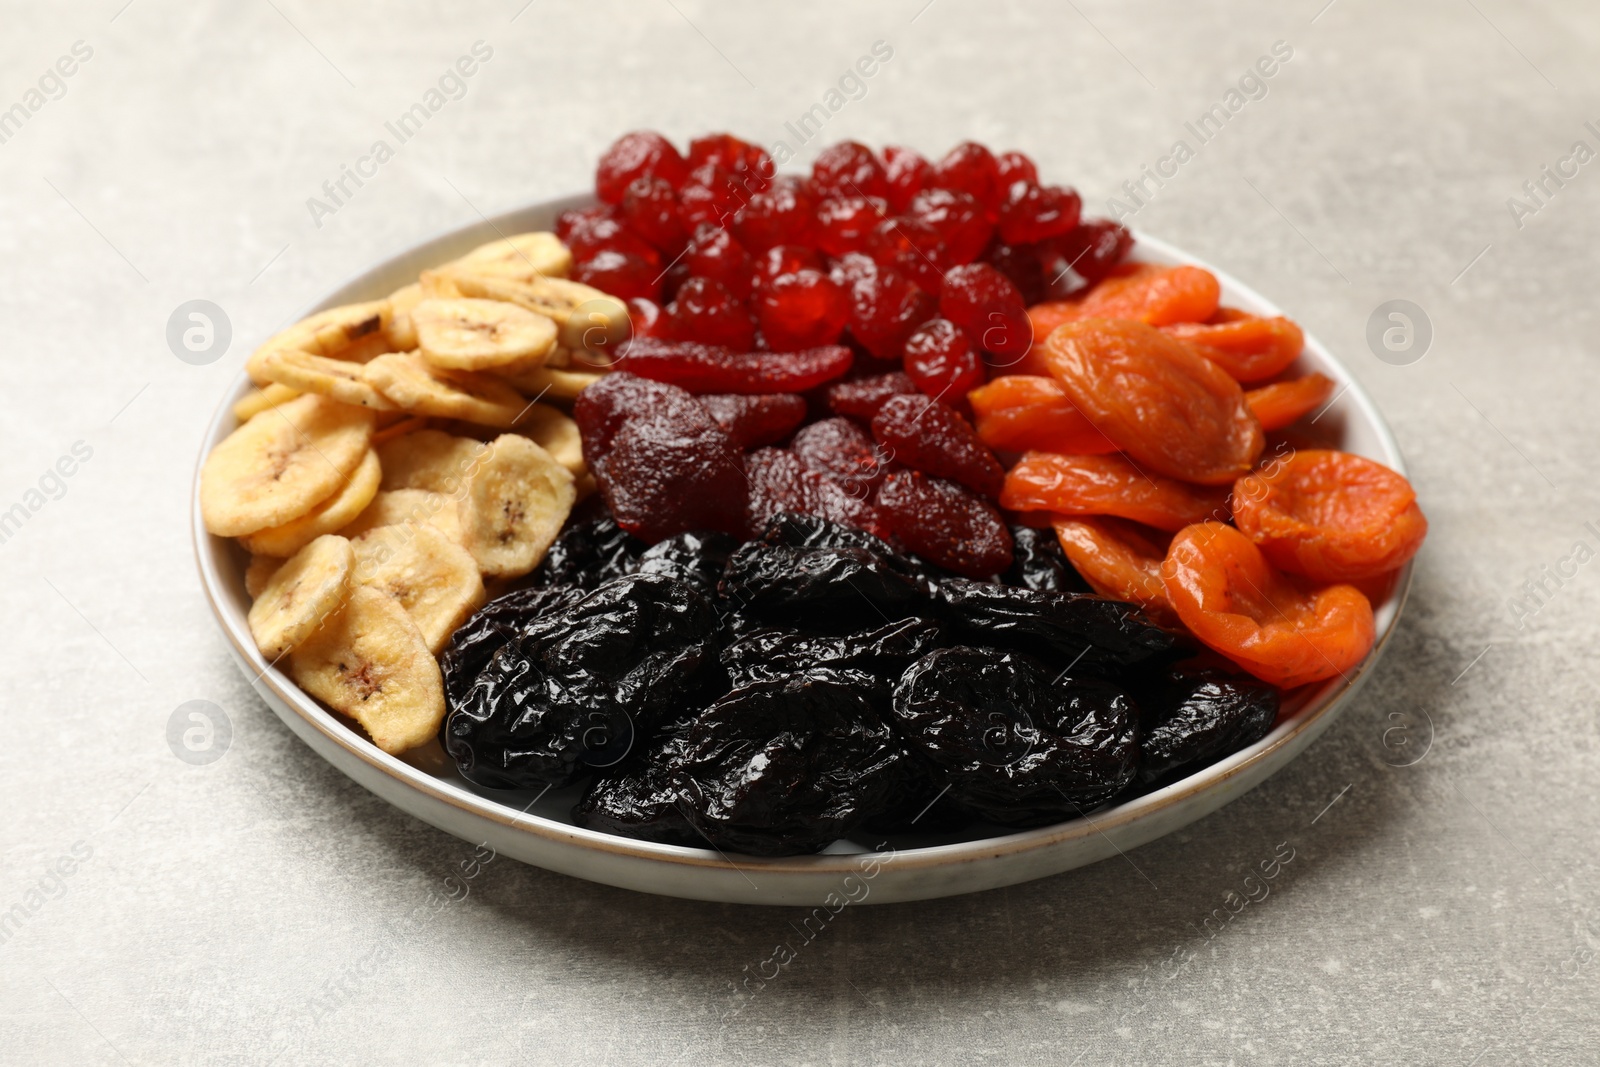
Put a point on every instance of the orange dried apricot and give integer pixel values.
(1249, 347)
(1281, 403)
(1171, 409)
(1107, 485)
(1279, 630)
(1023, 413)
(1119, 560)
(1331, 516)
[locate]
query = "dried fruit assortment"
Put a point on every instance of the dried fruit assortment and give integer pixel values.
(772, 509)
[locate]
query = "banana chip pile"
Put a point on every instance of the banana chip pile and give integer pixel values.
(394, 456)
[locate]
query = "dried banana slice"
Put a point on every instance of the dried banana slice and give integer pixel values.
(433, 577)
(327, 333)
(394, 506)
(330, 516)
(585, 317)
(516, 501)
(553, 431)
(259, 573)
(437, 285)
(338, 378)
(547, 384)
(369, 662)
(404, 378)
(521, 257)
(429, 459)
(470, 334)
(301, 595)
(256, 401)
(281, 464)
(400, 331)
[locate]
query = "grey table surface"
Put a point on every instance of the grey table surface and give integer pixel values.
(1440, 903)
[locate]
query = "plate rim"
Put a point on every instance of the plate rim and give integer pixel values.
(1320, 708)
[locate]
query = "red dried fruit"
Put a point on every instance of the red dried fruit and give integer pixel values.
(704, 311)
(1040, 213)
(1022, 265)
(906, 174)
(862, 397)
(851, 268)
(843, 451)
(1013, 167)
(607, 233)
(885, 308)
(785, 259)
(642, 152)
(848, 169)
(911, 247)
(714, 253)
(708, 195)
(957, 218)
(647, 318)
(782, 214)
(801, 310)
(970, 168)
(753, 421)
(672, 280)
(701, 368)
(844, 223)
(621, 274)
(575, 217)
(780, 482)
(944, 524)
(1079, 260)
(671, 471)
(935, 439)
(650, 206)
(940, 359)
(985, 304)
(601, 410)
(741, 159)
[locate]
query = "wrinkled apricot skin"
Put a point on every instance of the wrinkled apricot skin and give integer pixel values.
(1143, 292)
(1250, 348)
(1118, 560)
(1233, 601)
(1168, 407)
(1284, 403)
(1107, 485)
(1027, 413)
(1331, 516)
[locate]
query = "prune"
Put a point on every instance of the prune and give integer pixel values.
(640, 799)
(695, 557)
(826, 588)
(494, 625)
(577, 685)
(788, 766)
(779, 482)
(843, 451)
(797, 530)
(862, 397)
(587, 553)
(640, 153)
(883, 653)
(703, 368)
(753, 421)
(1093, 632)
(1193, 718)
(1038, 562)
(1018, 747)
(919, 801)
(935, 439)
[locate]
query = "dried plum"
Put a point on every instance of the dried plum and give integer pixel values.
(884, 652)
(787, 766)
(577, 685)
(697, 557)
(1060, 627)
(1018, 747)
(1038, 562)
(589, 553)
(1193, 718)
(920, 800)
(641, 800)
(828, 588)
(495, 624)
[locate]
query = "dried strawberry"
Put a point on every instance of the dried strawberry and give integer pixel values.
(1081, 259)
(801, 310)
(601, 410)
(780, 482)
(671, 471)
(701, 368)
(844, 223)
(985, 304)
(704, 311)
(783, 214)
(641, 153)
(935, 439)
(1039, 213)
(944, 524)
(1013, 167)
(714, 253)
(753, 421)
(848, 169)
(885, 307)
(957, 218)
(842, 450)
(621, 274)
(970, 168)
(943, 363)
(906, 174)
(651, 207)
(862, 397)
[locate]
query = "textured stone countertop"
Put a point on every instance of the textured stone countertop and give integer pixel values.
(1443, 912)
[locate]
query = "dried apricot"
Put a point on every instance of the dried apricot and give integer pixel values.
(1118, 559)
(1107, 485)
(1027, 413)
(1332, 516)
(1279, 630)
(1249, 347)
(1171, 409)
(1281, 403)
(1144, 292)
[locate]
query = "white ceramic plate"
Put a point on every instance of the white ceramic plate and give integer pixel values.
(539, 831)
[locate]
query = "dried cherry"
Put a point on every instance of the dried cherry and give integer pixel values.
(985, 304)
(801, 310)
(642, 153)
(942, 362)
(848, 168)
(906, 174)
(705, 311)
